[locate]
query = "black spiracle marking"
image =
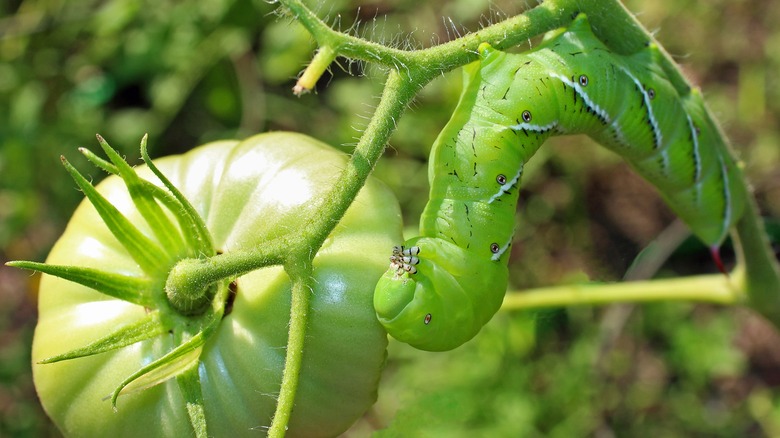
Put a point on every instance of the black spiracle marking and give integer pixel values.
(495, 248)
(584, 80)
(427, 319)
(501, 179)
(527, 116)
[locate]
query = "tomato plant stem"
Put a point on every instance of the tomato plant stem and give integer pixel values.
(325, 55)
(299, 311)
(188, 283)
(715, 288)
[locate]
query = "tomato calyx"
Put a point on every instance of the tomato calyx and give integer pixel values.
(175, 236)
(189, 294)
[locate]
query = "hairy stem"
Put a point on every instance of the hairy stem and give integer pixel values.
(421, 66)
(397, 94)
(325, 55)
(299, 317)
(396, 97)
(190, 280)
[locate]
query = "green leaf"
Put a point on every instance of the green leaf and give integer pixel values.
(143, 250)
(136, 290)
(145, 328)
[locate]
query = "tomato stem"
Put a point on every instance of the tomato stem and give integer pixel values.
(325, 55)
(716, 288)
(189, 287)
(299, 311)
(189, 383)
(189, 283)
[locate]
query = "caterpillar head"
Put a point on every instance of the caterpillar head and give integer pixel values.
(445, 302)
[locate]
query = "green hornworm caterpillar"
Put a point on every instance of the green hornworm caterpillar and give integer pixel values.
(443, 286)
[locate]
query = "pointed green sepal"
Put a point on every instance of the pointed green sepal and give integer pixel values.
(197, 235)
(176, 361)
(161, 194)
(99, 162)
(145, 328)
(143, 250)
(136, 290)
(161, 370)
(167, 234)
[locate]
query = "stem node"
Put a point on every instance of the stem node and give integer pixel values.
(321, 61)
(189, 292)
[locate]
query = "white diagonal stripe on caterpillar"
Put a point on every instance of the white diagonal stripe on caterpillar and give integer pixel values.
(501, 250)
(657, 135)
(599, 111)
(695, 141)
(533, 127)
(508, 186)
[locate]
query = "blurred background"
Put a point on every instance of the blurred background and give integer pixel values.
(187, 72)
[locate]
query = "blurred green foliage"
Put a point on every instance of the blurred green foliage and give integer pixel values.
(188, 72)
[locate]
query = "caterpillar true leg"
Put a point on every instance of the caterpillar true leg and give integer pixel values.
(404, 259)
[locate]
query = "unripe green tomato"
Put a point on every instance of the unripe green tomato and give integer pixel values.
(247, 192)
